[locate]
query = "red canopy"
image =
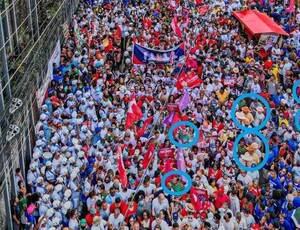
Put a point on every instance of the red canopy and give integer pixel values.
(257, 23)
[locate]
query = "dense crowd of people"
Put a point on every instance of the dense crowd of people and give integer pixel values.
(75, 180)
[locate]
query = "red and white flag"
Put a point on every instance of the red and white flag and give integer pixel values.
(141, 131)
(175, 27)
(149, 154)
(134, 114)
(121, 167)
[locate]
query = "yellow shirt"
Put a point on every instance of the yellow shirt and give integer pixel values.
(283, 121)
(222, 97)
(248, 60)
(275, 72)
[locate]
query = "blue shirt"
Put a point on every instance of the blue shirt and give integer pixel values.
(275, 183)
(286, 225)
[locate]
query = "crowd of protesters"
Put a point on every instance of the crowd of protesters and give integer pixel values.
(74, 180)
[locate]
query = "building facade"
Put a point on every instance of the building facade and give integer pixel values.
(29, 33)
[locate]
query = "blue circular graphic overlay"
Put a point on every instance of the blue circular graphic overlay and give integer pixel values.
(296, 120)
(179, 173)
(183, 145)
(236, 156)
(252, 96)
(294, 91)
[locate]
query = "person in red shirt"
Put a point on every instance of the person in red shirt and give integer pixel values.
(122, 205)
(246, 204)
(221, 198)
(131, 211)
(254, 189)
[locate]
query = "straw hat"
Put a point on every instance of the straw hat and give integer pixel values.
(246, 109)
(240, 115)
(253, 147)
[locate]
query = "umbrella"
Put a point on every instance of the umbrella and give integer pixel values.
(296, 217)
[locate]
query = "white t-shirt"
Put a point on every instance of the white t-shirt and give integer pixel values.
(228, 225)
(73, 224)
(163, 225)
(116, 222)
(249, 220)
(100, 226)
(148, 190)
(157, 206)
(245, 179)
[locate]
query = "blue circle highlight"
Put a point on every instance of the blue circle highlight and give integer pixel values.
(252, 96)
(236, 156)
(185, 145)
(179, 173)
(294, 91)
(296, 120)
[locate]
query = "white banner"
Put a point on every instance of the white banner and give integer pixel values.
(55, 58)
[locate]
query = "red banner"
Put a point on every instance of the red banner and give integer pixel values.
(191, 78)
(166, 153)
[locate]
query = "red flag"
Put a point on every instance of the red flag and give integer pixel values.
(175, 27)
(134, 114)
(118, 33)
(148, 156)
(198, 198)
(142, 130)
(121, 167)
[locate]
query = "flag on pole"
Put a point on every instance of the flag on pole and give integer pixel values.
(169, 119)
(134, 114)
(121, 167)
(175, 27)
(184, 101)
(146, 123)
(149, 154)
(118, 33)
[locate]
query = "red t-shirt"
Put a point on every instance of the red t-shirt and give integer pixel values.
(220, 200)
(123, 207)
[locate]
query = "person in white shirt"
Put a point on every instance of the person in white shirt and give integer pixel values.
(159, 203)
(73, 222)
(192, 221)
(147, 187)
(116, 218)
(218, 223)
(241, 223)
(98, 223)
(244, 178)
(249, 219)
(228, 222)
(160, 223)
